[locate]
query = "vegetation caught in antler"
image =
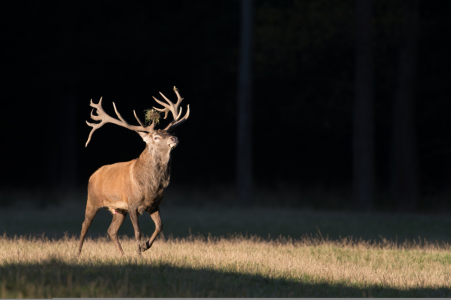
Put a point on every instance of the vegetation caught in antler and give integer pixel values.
(152, 116)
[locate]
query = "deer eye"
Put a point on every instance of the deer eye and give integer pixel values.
(156, 138)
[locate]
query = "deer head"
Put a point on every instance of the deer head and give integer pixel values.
(158, 139)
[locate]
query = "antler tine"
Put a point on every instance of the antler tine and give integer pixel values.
(119, 115)
(148, 128)
(98, 108)
(162, 110)
(137, 119)
(94, 127)
(92, 104)
(104, 118)
(173, 108)
(179, 98)
(165, 98)
(165, 109)
(180, 112)
(94, 117)
(161, 102)
(173, 124)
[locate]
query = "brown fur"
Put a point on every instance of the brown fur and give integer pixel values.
(132, 187)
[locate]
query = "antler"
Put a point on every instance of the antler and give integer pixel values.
(173, 108)
(105, 118)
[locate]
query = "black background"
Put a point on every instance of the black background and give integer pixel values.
(303, 59)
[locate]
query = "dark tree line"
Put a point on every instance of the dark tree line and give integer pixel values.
(363, 117)
(405, 177)
(404, 169)
(244, 174)
(319, 68)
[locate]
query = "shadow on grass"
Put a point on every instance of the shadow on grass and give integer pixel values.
(131, 277)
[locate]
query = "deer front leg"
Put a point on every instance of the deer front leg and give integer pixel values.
(158, 228)
(135, 222)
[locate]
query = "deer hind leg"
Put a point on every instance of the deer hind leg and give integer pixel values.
(118, 219)
(135, 222)
(91, 212)
(158, 228)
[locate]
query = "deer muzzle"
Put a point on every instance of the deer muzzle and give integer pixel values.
(173, 141)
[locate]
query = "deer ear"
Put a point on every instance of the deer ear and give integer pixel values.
(143, 135)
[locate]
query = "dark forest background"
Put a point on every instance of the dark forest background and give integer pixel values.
(307, 124)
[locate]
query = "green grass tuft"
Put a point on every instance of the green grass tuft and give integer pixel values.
(152, 116)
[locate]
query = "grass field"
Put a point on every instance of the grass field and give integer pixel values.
(223, 252)
(228, 267)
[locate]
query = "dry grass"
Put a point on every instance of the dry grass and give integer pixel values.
(389, 258)
(236, 266)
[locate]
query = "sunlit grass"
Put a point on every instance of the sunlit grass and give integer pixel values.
(260, 252)
(223, 267)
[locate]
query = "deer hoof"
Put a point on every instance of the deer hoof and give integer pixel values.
(144, 247)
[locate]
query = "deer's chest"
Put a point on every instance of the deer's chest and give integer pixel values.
(151, 202)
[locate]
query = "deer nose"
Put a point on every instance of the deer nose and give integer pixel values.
(174, 139)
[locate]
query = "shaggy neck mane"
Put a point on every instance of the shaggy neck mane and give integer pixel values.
(152, 170)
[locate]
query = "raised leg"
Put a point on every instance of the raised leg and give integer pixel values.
(135, 222)
(158, 228)
(89, 216)
(118, 219)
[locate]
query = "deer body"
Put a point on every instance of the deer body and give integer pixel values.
(136, 186)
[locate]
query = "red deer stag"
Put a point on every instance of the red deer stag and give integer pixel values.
(136, 186)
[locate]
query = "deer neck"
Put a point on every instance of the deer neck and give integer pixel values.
(152, 170)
